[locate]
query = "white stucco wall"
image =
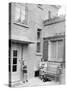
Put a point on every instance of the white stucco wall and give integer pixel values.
(56, 29)
(35, 18)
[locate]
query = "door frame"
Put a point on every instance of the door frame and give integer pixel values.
(21, 58)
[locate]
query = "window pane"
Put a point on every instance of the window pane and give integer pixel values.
(53, 49)
(14, 68)
(38, 47)
(17, 14)
(15, 53)
(22, 13)
(14, 60)
(60, 49)
(49, 14)
(38, 35)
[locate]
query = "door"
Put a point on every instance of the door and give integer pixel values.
(15, 62)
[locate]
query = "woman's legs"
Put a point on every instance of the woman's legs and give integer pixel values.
(25, 78)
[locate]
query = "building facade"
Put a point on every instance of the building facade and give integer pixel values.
(54, 44)
(54, 39)
(26, 33)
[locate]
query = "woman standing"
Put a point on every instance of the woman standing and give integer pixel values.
(24, 67)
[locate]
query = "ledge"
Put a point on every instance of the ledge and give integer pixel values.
(54, 20)
(22, 25)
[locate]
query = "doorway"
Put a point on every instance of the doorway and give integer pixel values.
(15, 66)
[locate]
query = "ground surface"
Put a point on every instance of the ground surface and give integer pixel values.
(35, 82)
(38, 82)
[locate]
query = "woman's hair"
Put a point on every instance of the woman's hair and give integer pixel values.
(42, 59)
(23, 62)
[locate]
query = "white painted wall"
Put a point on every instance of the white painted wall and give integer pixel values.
(53, 29)
(35, 20)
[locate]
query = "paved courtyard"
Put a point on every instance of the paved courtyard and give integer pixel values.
(35, 82)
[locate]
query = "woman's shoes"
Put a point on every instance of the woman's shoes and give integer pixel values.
(25, 81)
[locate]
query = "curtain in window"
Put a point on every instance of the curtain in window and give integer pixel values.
(17, 13)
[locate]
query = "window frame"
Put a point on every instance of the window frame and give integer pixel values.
(21, 22)
(14, 64)
(57, 58)
(38, 41)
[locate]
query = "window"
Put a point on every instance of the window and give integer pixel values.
(15, 53)
(49, 14)
(14, 60)
(38, 40)
(14, 69)
(38, 34)
(19, 13)
(38, 47)
(57, 49)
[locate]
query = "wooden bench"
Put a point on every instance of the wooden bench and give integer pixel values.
(53, 70)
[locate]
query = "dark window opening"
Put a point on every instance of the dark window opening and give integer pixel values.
(14, 68)
(14, 60)
(38, 34)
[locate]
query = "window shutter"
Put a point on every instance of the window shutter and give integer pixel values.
(45, 50)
